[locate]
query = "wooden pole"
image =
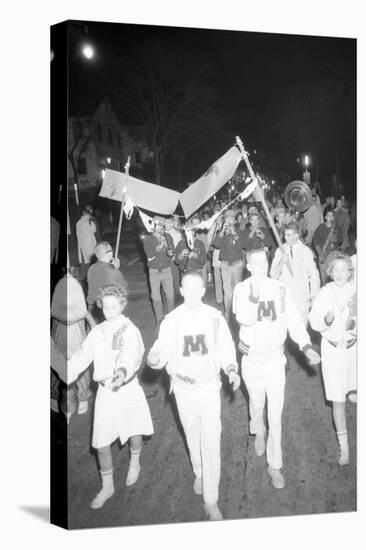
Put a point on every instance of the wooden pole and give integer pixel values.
(262, 199)
(124, 190)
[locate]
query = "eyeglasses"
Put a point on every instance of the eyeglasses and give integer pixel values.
(107, 251)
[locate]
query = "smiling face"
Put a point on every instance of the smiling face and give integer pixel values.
(291, 237)
(340, 273)
(258, 265)
(112, 307)
(192, 290)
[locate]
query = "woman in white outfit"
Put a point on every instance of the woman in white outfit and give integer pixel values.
(334, 316)
(121, 411)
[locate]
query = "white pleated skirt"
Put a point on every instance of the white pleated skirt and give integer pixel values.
(120, 414)
(339, 370)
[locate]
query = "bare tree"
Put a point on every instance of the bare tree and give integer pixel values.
(165, 91)
(82, 135)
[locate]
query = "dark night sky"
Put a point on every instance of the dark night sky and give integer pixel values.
(260, 79)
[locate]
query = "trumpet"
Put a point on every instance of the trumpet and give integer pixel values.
(165, 246)
(187, 258)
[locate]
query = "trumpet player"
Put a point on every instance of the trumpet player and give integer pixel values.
(230, 242)
(191, 260)
(326, 241)
(159, 249)
(256, 236)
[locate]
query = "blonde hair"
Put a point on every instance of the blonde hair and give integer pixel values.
(340, 256)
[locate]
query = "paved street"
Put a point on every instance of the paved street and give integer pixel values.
(164, 492)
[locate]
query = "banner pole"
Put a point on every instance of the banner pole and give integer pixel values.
(124, 190)
(262, 199)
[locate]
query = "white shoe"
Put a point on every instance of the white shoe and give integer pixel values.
(260, 444)
(54, 405)
(343, 457)
(133, 475)
(213, 512)
(352, 397)
(198, 486)
(83, 407)
(278, 481)
(102, 497)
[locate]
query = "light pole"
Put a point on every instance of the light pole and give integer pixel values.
(306, 173)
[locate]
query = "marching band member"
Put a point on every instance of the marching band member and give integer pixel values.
(230, 242)
(326, 240)
(304, 282)
(191, 260)
(334, 316)
(159, 249)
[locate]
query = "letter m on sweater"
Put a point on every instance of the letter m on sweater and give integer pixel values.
(267, 310)
(195, 344)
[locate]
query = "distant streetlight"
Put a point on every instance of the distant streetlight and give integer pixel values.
(88, 51)
(306, 174)
(108, 160)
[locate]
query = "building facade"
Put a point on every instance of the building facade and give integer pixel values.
(98, 141)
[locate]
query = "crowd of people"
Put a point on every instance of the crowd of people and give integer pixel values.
(267, 291)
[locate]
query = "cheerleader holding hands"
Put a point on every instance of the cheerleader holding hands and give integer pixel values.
(121, 411)
(334, 316)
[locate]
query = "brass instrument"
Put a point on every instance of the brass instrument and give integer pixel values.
(165, 246)
(298, 196)
(327, 245)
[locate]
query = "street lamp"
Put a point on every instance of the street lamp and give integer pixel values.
(306, 173)
(88, 51)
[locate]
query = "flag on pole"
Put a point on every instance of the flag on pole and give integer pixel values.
(143, 194)
(207, 185)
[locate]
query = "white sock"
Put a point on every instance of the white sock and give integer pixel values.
(106, 491)
(343, 447)
(134, 469)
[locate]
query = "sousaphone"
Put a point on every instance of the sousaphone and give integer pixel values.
(298, 196)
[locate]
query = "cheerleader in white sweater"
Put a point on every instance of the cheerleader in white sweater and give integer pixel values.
(194, 343)
(266, 312)
(334, 316)
(121, 411)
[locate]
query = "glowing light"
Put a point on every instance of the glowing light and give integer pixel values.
(306, 160)
(108, 160)
(103, 174)
(88, 51)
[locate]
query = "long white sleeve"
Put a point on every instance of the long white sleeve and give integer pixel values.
(244, 308)
(276, 269)
(225, 346)
(164, 344)
(319, 311)
(132, 350)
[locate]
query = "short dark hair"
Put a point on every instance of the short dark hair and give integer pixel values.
(251, 253)
(195, 274)
(294, 226)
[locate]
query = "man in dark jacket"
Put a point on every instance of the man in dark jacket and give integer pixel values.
(159, 249)
(230, 242)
